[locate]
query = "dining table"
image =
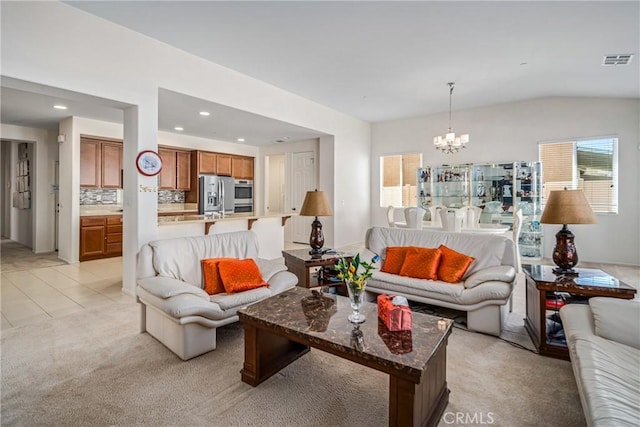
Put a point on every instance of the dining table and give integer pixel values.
(481, 227)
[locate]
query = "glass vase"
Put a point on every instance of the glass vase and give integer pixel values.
(356, 297)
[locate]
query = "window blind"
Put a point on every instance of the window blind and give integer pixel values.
(590, 165)
(398, 179)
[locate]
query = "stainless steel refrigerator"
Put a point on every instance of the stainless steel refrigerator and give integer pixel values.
(216, 194)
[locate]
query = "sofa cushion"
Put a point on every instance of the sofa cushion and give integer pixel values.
(453, 265)
(609, 380)
(395, 256)
(421, 263)
(241, 299)
(617, 320)
(211, 276)
(239, 275)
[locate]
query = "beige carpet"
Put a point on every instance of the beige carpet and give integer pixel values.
(95, 369)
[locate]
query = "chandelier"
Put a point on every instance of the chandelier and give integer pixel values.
(450, 143)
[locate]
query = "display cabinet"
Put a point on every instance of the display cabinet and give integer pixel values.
(500, 189)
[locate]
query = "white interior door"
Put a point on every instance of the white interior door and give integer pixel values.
(303, 179)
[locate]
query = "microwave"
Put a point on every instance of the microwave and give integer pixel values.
(243, 192)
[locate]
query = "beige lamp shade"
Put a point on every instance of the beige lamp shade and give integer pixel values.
(316, 204)
(568, 207)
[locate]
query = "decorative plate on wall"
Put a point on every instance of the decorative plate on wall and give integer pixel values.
(149, 163)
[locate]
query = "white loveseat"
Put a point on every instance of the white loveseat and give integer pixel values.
(176, 310)
(604, 346)
(486, 286)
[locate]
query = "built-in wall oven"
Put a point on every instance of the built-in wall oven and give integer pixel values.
(243, 196)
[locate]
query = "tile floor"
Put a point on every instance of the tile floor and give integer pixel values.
(41, 293)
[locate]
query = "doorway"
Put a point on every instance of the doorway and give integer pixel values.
(303, 179)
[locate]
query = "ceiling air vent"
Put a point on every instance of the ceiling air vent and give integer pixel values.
(623, 59)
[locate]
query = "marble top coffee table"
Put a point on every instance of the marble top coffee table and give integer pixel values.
(282, 328)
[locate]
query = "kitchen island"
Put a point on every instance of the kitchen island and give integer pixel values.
(269, 228)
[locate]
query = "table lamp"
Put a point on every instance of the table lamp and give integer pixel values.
(566, 207)
(316, 204)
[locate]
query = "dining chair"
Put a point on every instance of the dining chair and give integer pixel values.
(414, 216)
(391, 216)
(470, 216)
(435, 215)
(517, 227)
(451, 219)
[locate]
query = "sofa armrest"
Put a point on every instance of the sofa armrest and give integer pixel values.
(269, 268)
(500, 273)
(282, 281)
(167, 287)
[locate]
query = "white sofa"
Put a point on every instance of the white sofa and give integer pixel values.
(604, 346)
(486, 286)
(176, 310)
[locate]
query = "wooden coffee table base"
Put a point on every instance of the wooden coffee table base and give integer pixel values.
(412, 401)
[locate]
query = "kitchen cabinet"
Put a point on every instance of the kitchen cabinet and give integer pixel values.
(176, 169)
(89, 163)
(100, 163)
(183, 170)
(168, 172)
(100, 237)
(242, 167)
(111, 167)
(223, 164)
(207, 162)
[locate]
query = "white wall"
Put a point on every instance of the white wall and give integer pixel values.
(511, 132)
(34, 227)
(118, 64)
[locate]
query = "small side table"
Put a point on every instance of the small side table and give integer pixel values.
(308, 267)
(542, 283)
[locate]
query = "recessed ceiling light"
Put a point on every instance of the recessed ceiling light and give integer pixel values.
(240, 139)
(204, 113)
(60, 107)
(178, 128)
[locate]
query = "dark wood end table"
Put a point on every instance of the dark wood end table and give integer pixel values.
(542, 283)
(308, 268)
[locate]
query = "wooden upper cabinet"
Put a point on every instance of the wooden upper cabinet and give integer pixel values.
(168, 172)
(224, 164)
(183, 173)
(242, 167)
(111, 165)
(90, 163)
(100, 163)
(207, 162)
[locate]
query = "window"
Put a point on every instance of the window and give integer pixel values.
(590, 165)
(398, 179)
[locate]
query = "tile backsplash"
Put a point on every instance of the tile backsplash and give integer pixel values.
(105, 196)
(99, 196)
(170, 196)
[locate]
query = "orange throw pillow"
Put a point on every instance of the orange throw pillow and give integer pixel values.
(240, 275)
(212, 282)
(394, 259)
(453, 265)
(421, 263)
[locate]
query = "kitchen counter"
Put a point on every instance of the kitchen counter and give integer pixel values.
(268, 228)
